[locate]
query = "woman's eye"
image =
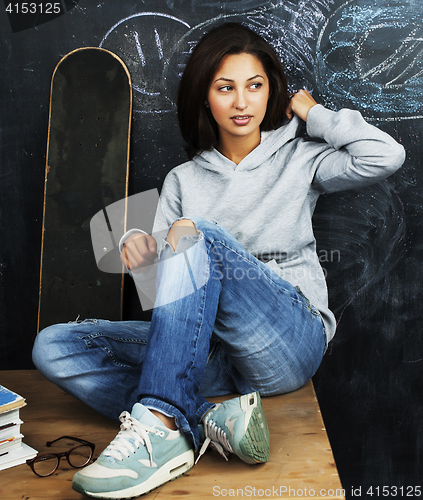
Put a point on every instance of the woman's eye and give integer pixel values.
(256, 85)
(225, 88)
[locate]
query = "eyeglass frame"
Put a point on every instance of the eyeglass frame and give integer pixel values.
(59, 455)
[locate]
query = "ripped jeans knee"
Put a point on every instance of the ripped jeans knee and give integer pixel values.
(180, 228)
(182, 266)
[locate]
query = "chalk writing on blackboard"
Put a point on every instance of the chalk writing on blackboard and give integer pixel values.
(292, 33)
(369, 57)
(155, 46)
(370, 234)
(229, 5)
(143, 41)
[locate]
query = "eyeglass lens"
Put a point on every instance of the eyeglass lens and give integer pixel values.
(80, 456)
(45, 465)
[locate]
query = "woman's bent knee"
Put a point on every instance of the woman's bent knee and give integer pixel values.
(50, 349)
(41, 350)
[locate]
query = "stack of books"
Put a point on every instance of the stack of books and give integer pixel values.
(13, 451)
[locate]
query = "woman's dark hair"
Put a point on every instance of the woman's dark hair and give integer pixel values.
(198, 127)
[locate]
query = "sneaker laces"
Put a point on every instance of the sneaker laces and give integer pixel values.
(132, 434)
(216, 438)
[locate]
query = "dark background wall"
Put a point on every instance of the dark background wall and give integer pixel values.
(364, 54)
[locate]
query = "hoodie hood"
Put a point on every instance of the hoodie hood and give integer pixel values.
(270, 143)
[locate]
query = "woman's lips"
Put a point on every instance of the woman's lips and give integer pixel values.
(241, 119)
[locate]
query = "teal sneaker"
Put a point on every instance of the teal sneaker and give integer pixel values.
(144, 455)
(237, 426)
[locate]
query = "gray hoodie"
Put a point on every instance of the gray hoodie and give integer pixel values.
(267, 200)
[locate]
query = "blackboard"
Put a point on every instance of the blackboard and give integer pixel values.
(363, 54)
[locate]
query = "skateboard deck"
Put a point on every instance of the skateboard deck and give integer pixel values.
(86, 170)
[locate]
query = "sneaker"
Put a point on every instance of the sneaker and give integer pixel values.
(144, 455)
(238, 426)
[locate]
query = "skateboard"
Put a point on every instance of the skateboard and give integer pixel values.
(86, 171)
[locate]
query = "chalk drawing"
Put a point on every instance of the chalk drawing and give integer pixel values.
(139, 49)
(232, 6)
(143, 41)
(159, 44)
(155, 46)
(369, 57)
(369, 231)
(289, 27)
(244, 6)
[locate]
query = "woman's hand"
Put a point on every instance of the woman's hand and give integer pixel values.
(139, 251)
(300, 104)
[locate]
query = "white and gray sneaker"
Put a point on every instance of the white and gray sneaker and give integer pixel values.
(237, 426)
(144, 455)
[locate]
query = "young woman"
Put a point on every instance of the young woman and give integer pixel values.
(259, 322)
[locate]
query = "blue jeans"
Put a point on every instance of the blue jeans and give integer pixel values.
(245, 329)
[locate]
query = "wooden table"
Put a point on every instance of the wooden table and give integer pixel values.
(301, 461)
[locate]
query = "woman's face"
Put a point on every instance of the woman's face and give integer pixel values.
(238, 97)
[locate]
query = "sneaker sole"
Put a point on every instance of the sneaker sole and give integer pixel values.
(254, 445)
(171, 470)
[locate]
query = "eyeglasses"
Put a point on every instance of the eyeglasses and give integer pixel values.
(46, 464)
